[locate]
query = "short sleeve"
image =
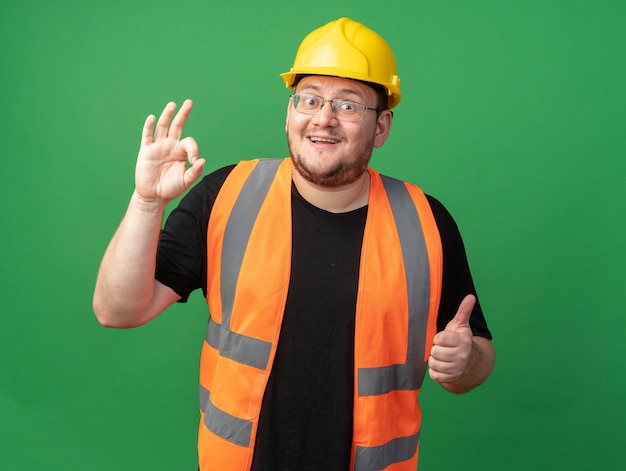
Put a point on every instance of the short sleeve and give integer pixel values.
(182, 251)
(457, 279)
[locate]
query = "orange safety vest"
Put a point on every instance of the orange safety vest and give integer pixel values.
(249, 262)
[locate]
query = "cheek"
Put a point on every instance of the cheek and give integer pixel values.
(295, 124)
(361, 135)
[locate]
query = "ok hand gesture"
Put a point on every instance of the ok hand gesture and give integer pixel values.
(162, 174)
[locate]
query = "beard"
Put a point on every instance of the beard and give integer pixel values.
(341, 172)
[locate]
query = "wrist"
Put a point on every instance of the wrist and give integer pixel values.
(147, 205)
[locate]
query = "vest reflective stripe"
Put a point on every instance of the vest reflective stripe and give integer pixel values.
(416, 266)
(240, 348)
(249, 247)
(376, 381)
(379, 457)
(238, 230)
(224, 425)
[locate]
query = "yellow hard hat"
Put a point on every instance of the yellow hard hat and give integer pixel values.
(347, 49)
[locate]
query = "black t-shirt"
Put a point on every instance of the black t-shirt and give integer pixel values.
(306, 416)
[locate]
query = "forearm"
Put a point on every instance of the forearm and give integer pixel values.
(125, 283)
(480, 366)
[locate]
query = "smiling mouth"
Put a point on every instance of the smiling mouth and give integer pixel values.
(324, 140)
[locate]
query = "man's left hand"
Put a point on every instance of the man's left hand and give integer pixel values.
(451, 352)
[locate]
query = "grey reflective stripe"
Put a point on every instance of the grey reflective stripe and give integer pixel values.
(237, 347)
(376, 381)
(416, 265)
(239, 227)
(376, 458)
(408, 376)
(226, 426)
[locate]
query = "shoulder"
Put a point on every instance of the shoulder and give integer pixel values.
(448, 229)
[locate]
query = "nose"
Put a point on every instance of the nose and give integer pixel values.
(326, 115)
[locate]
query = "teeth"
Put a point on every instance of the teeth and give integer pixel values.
(323, 139)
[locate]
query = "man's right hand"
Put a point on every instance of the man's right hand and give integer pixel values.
(127, 293)
(161, 174)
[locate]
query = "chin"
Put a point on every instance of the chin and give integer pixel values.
(333, 178)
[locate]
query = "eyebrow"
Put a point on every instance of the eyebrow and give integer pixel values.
(344, 91)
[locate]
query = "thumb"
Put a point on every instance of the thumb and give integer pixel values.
(462, 316)
(193, 173)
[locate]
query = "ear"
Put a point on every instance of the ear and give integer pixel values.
(383, 127)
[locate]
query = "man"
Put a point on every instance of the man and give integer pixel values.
(330, 286)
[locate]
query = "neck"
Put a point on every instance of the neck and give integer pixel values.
(336, 199)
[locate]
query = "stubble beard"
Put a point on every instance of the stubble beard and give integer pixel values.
(342, 173)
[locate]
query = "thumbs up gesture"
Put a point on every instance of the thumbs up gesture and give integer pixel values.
(451, 352)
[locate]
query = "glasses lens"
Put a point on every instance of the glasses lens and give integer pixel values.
(348, 110)
(309, 104)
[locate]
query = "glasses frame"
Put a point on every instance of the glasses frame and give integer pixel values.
(334, 104)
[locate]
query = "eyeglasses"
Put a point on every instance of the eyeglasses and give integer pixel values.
(344, 110)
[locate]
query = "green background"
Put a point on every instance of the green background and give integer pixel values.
(513, 115)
